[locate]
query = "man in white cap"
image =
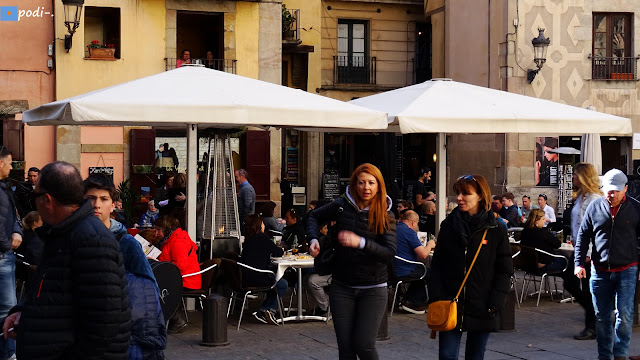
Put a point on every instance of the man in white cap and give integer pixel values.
(612, 225)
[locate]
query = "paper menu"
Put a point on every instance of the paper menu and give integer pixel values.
(423, 237)
(148, 249)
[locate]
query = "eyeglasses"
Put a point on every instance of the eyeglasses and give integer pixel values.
(467, 177)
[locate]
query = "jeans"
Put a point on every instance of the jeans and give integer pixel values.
(613, 291)
(7, 297)
(357, 314)
(317, 283)
(449, 344)
(271, 302)
(555, 266)
(579, 289)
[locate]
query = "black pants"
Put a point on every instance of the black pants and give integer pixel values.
(357, 314)
(582, 295)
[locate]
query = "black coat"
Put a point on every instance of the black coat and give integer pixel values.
(256, 252)
(355, 267)
(489, 281)
(31, 247)
(542, 239)
(290, 232)
(77, 307)
(9, 223)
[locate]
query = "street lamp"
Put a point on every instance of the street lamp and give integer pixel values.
(540, 45)
(72, 15)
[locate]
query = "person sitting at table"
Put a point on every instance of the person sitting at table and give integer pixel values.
(32, 246)
(150, 216)
(535, 235)
(427, 218)
(318, 282)
(509, 213)
(549, 212)
(270, 223)
(293, 234)
(410, 248)
(178, 248)
(257, 251)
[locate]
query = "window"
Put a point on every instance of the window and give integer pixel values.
(352, 63)
(612, 44)
(102, 24)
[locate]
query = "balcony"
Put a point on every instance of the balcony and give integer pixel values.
(226, 65)
(291, 27)
(614, 68)
(354, 69)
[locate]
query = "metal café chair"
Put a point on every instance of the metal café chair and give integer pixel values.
(529, 263)
(406, 279)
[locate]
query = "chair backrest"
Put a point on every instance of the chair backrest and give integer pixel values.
(231, 273)
(528, 259)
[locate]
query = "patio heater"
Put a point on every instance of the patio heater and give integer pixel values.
(220, 224)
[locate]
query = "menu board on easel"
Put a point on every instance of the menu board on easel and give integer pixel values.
(330, 186)
(292, 165)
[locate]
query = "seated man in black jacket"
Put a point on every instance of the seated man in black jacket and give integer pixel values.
(78, 304)
(293, 235)
(509, 212)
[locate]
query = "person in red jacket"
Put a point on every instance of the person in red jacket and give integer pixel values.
(177, 247)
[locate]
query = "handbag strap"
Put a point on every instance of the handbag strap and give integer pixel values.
(472, 262)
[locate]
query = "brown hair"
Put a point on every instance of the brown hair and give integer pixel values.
(508, 195)
(167, 223)
(252, 226)
(378, 218)
(149, 235)
(30, 219)
(180, 181)
(534, 215)
(479, 185)
(407, 204)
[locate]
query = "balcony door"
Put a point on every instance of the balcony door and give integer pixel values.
(353, 52)
(612, 46)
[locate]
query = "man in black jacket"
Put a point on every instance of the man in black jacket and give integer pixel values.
(24, 192)
(78, 304)
(612, 225)
(10, 238)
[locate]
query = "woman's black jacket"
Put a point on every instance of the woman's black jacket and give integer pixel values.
(350, 266)
(256, 252)
(542, 239)
(489, 280)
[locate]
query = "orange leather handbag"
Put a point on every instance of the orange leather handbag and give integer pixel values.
(443, 315)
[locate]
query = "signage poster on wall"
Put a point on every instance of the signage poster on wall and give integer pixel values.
(546, 163)
(106, 170)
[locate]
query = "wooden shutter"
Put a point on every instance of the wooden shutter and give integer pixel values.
(13, 138)
(257, 162)
(143, 146)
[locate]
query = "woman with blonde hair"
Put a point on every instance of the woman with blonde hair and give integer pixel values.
(586, 186)
(363, 241)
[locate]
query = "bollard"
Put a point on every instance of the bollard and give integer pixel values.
(214, 321)
(383, 330)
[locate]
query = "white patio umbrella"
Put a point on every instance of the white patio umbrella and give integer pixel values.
(591, 149)
(197, 97)
(445, 106)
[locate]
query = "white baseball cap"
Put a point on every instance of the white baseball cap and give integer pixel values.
(614, 179)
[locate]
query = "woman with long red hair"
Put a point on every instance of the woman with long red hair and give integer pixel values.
(363, 243)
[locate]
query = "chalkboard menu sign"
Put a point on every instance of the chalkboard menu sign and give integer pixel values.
(330, 186)
(106, 170)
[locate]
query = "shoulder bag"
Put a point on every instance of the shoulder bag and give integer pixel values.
(443, 315)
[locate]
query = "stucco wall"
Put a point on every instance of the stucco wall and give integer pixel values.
(24, 73)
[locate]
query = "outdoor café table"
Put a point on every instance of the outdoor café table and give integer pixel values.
(292, 261)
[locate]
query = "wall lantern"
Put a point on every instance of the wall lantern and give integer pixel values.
(72, 15)
(540, 45)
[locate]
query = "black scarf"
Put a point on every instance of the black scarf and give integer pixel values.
(467, 224)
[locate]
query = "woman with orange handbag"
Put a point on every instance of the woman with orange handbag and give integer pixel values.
(469, 227)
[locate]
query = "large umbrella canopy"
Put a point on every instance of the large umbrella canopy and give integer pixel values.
(196, 97)
(209, 98)
(446, 106)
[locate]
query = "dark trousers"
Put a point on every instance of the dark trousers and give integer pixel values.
(357, 314)
(449, 344)
(582, 295)
(416, 294)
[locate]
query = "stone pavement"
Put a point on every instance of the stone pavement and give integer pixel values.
(545, 333)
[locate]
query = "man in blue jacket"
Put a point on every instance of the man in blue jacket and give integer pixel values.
(612, 225)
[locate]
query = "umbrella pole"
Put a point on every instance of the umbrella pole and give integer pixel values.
(441, 180)
(192, 172)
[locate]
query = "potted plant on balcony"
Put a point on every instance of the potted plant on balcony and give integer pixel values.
(101, 51)
(287, 23)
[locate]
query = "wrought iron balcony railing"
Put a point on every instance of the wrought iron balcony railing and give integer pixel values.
(354, 69)
(226, 65)
(614, 68)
